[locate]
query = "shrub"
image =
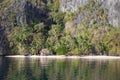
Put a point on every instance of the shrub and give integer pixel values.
(61, 50)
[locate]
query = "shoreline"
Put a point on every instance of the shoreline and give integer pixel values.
(63, 57)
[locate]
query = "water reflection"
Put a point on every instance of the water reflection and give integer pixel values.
(58, 69)
(3, 68)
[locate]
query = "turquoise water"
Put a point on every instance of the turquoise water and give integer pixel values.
(58, 69)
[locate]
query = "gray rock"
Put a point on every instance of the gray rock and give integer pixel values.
(19, 7)
(44, 52)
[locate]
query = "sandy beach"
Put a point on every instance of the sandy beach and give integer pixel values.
(63, 56)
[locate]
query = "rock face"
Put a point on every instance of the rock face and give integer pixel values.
(113, 7)
(25, 11)
(21, 12)
(19, 6)
(3, 42)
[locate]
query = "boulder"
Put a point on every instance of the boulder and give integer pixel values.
(44, 52)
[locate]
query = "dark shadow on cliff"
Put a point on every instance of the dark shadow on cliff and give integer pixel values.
(1, 1)
(4, 44)
(35, 14)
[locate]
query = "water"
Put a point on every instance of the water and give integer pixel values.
(58, 69)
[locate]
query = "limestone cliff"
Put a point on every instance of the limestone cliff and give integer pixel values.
(22, 12)
(19, 13)
(113, 7)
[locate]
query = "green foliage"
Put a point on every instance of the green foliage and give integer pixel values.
(56, 14)
(76, 51)
(113, 41)
(34, 36)
(27, 39)
(61, 50)
(94, 35)
(53, 39)
(84, 41)
(69, 16)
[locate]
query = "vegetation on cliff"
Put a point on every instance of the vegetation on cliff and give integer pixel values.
(56, 31)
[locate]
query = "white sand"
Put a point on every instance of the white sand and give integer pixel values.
(101, 57)
(35, 56)
(63, 56)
